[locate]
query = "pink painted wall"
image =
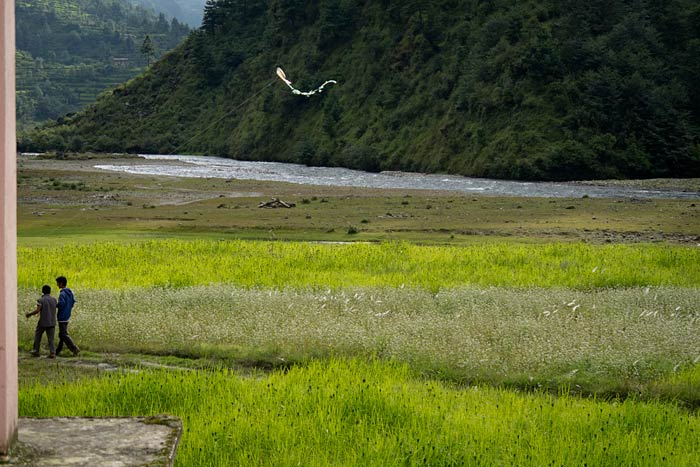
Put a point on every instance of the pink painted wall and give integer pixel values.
(8, 230)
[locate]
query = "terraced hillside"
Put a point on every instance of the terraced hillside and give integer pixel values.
(69, 52)
(186, 11)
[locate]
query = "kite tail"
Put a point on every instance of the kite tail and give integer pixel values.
(281, 74)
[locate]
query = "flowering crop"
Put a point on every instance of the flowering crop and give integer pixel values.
(181, 263)
(600, 339)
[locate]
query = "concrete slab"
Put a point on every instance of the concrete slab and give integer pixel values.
(105, 442)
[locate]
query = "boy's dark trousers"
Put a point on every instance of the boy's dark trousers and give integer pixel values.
(49, 335)
(63, 337)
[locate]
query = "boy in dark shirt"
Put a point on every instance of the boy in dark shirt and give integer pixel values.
(46, 308)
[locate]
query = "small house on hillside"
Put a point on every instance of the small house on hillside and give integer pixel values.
(122, 62)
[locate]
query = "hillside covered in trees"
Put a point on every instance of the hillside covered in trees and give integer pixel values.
(522, 89)
(68, 52)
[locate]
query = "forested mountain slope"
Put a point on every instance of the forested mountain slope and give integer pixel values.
(69, 51)
(510, 89)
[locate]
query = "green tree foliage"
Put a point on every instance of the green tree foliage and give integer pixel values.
(147, 49)
(512, 89)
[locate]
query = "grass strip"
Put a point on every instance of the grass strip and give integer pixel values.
(182, 263)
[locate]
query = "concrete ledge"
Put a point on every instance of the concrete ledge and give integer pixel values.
(107, 442)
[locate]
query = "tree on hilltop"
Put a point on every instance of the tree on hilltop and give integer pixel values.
(148, 49)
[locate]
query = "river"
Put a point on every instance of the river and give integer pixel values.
(216, 167)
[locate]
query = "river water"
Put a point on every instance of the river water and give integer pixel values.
(216, 167)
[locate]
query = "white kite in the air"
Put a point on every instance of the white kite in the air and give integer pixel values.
(319, 89)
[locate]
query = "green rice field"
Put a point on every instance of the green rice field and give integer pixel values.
(179, 263)
(380, 348)
(469, 360)
(360, 413)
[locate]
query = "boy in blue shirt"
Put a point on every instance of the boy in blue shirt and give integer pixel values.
(66, 300)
